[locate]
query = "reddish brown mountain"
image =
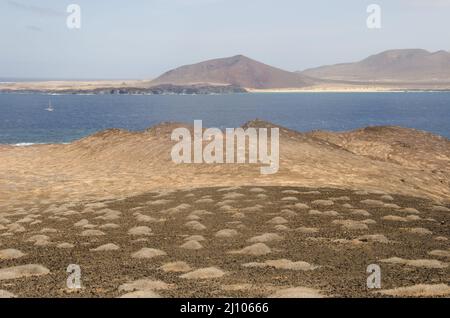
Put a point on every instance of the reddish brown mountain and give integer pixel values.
(408, 65)
(237, 70)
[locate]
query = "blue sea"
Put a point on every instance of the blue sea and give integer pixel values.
(24, 120)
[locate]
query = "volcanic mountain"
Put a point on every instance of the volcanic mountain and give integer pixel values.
(406, 65)
(238, 70)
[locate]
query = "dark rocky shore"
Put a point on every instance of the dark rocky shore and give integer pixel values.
(165, 89)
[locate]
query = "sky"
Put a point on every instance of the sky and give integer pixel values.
(140, 39)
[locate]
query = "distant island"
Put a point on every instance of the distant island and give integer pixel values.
(107, 88)
(394, 66)
(393, 70)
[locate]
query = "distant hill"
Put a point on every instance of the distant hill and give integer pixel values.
(238, 70)
(394, 70)
(408, 65)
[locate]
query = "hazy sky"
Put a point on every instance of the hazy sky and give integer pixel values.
(143, 38)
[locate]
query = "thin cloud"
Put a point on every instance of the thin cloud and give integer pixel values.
(429, 3)
(42, 11)
(34, 28)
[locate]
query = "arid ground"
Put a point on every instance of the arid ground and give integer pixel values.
(140, 226)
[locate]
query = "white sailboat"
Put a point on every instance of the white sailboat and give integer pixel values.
(50, 107)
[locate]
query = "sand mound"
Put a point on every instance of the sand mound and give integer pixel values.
(201, 213)
(106, 247)
(257, 190)
(81, 223)
(176, 267)
(307, 230)
(108, 215)
(195, 225)
(205, 200)
(301, 206)
(264, 238)
(159, 202)
(322, 202)
(108, 226)
(178, 209)
(330, 213)
(233, 195)
(256, 208)
(392, 206)
(426, 263)
(289, 199)
(373, 203)
(281, 227)
(23, 271)
(278, 220)
(417, 230)
(48, 230)
(237, 287)
(92, 233)
(284, 264)
(439, 208)
(193, 217)
(140, 230)
(440, 253)
(396, 218)
(204, 273)
(257, 249)
(387, 197)
(142, 218)
(297, 292)
(198, 238)
(10, 254)
(351, 225)
(228, 189)
(290, 192)
(16, 228)
(39, 240)
(65, 245)
(410, 210)
(341, 198)
(422, 290)
(379, 238)
(192, 245)
(144, 284)
(141, 294)
(288, 213)
(360, 212)
(226, 233)
(148, 253)
(6, 294)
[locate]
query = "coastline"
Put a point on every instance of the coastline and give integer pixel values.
(144, 87)
(351, 89)
(337, 132)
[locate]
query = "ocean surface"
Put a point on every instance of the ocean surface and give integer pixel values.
(24, 120)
